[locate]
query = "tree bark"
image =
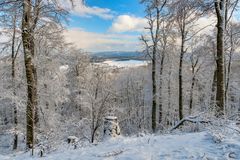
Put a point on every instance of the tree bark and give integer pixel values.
(229, 67)
(169, 96)
(154, 54)
(214, 84)
(195, 70)
(28, 48)
(191, 95)
(154, 99)
(220, 95)
(180, 75)
(13, 57)
(160, 88)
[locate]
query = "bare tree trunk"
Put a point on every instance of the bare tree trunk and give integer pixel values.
(169, 96)
(229, 67)
(154, 98)
(28, 47)
(93, 116)
(154, 27)
(160, 88)
(13, 57)
(36, 110)
(155, 40)
(94, 129)
(214, 84)
(143, 109)
(220, 95)
(191, 94)
(180, 77)
(195, 70)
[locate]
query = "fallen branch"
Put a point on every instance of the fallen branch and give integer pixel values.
(192, 119)
(112, 154)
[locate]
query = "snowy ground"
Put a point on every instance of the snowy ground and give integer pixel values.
(188, 146)
(125, 64)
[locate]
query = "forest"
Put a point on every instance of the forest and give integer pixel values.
(161, 86)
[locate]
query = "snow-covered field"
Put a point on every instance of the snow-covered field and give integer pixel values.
(187, 146)
(125, 64)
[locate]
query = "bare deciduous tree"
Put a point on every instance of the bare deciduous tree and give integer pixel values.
(154, 9)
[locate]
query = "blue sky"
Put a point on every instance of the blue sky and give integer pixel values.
(106, 25)
(112, 25)
(117, 7)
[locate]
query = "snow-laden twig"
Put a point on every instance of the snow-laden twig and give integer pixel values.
(231, 117)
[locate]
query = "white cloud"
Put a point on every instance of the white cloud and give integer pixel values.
(83, 10)
(127, 23)
(86, 11)
(93, 42)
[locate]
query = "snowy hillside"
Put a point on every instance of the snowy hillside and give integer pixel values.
(188, 146)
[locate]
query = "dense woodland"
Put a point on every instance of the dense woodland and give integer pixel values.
(50, 89)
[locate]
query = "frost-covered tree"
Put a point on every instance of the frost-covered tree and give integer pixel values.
(224, 10)
(154, 11)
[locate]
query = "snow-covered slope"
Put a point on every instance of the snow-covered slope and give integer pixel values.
(191, 146)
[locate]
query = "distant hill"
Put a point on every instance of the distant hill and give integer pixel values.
(117, 55)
